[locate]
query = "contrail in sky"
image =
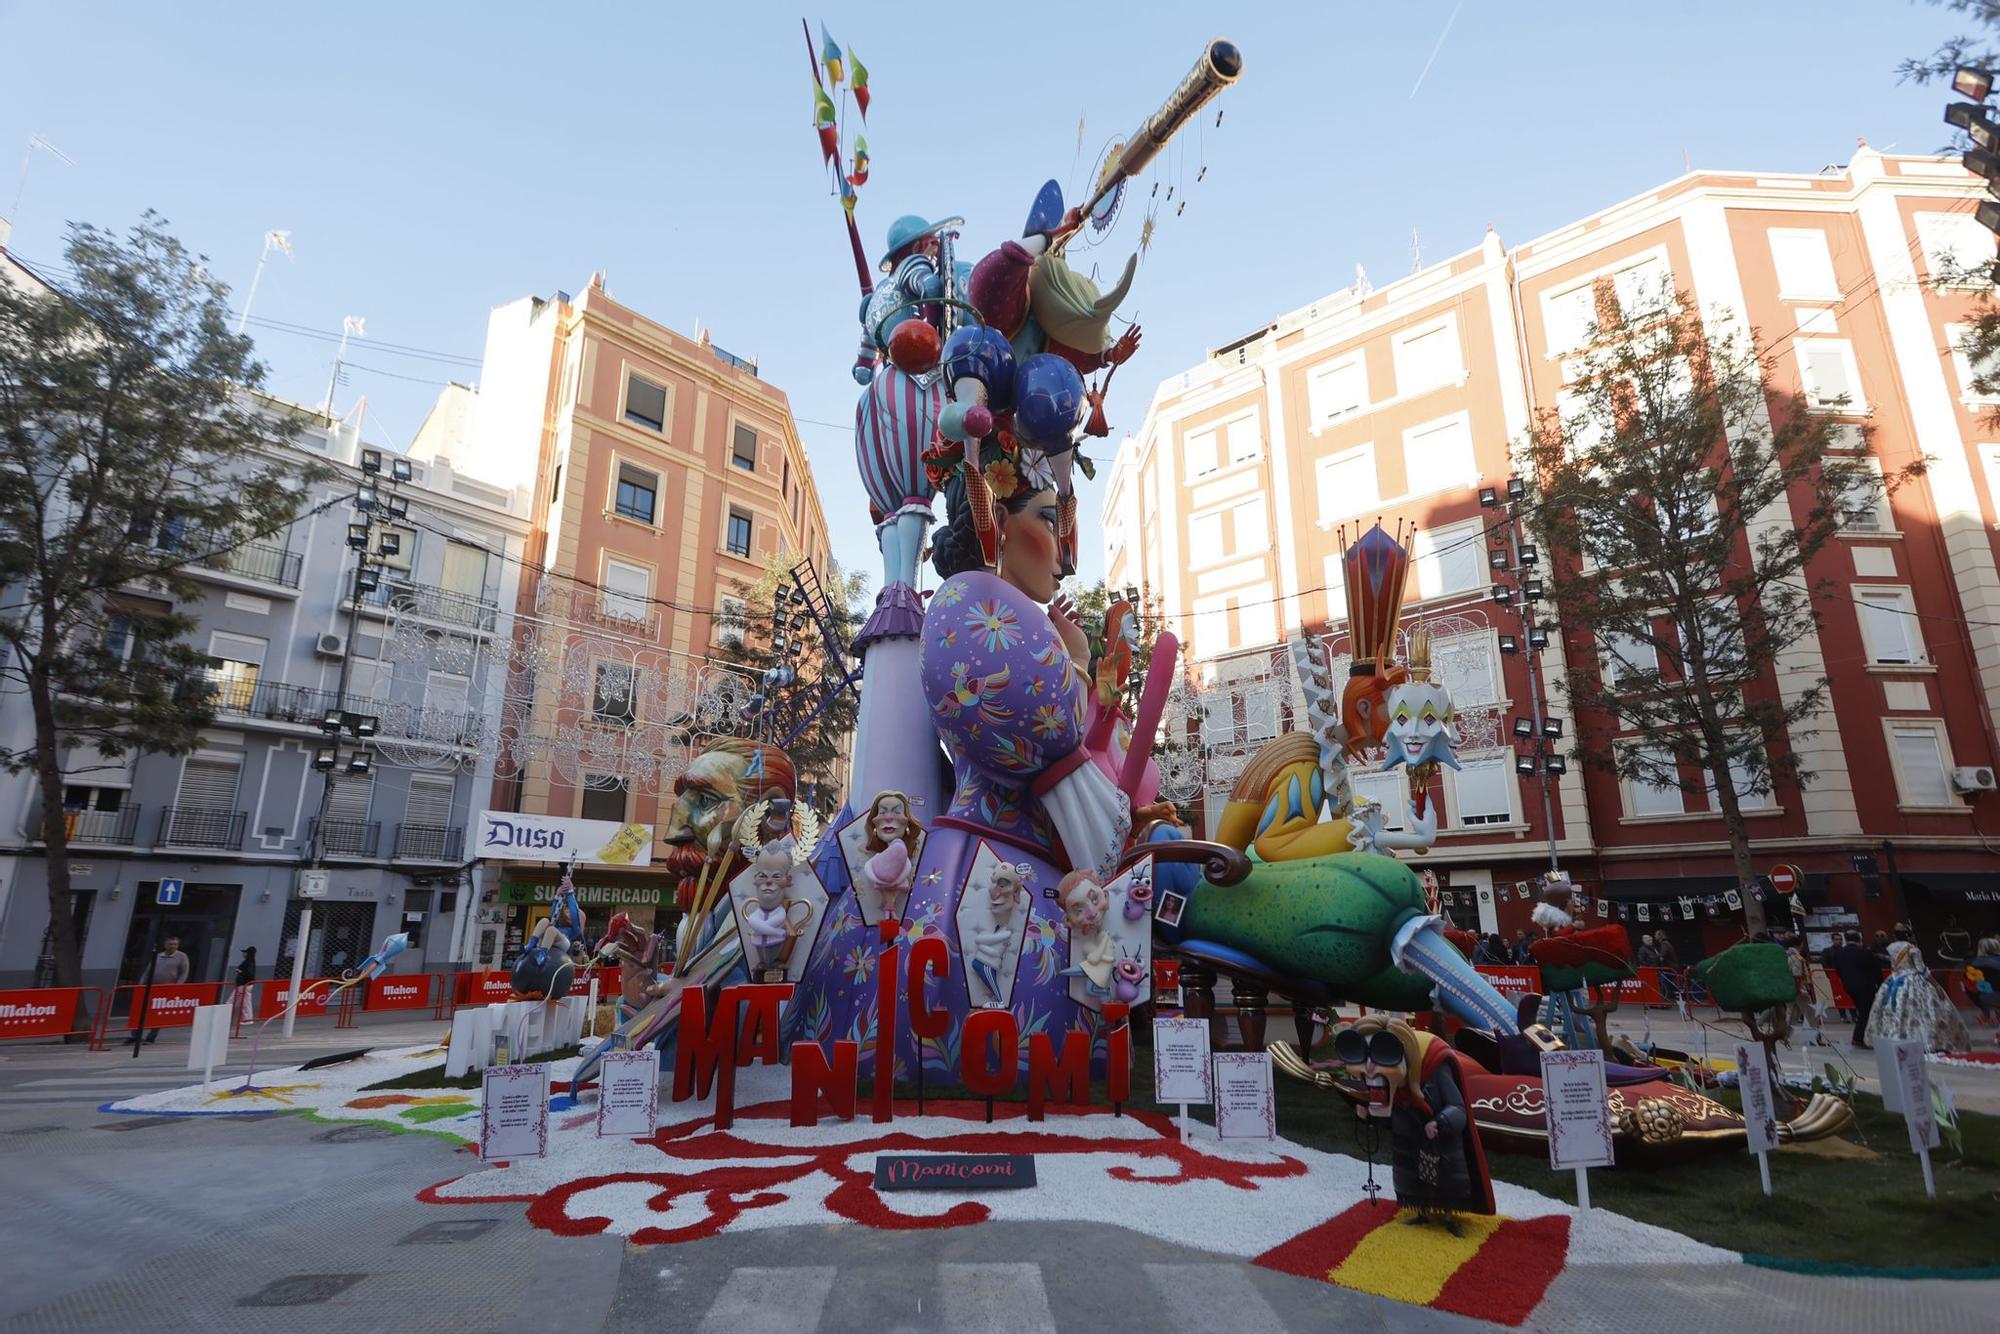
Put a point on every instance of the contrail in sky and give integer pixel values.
(1439, 47)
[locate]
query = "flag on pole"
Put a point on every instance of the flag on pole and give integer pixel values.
(825, 119)
(858, 80)
(279, 241)
(36, 141)
(859, 174)
(352, 324)
(829, 56)
(847, 197)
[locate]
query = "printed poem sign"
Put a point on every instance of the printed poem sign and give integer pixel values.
(513, 1112)
(1243, 1105)
(1573, 1102)
(1913, 1081)
(628, 1094)
(1753, 1084)
(1181, 1072)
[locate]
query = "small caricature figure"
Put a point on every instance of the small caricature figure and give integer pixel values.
(766, 925)
(893, 844)
(992, 944)
(1411, 1082)
(1092, 952)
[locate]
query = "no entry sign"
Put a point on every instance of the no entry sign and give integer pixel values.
(1786, 878)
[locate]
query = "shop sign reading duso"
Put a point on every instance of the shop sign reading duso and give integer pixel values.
(514, 836)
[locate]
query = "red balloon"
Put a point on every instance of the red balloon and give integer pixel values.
(979, 421)
(914, 346)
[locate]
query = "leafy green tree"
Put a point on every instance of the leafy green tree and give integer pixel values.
(131, 448)
(1685, 499)
(821, 750)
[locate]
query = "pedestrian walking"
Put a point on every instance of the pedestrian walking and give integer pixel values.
(168, 968)
(1861, 975)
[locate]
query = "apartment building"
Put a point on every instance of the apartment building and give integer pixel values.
(237, 819)
(667, 477)
(1231, 504)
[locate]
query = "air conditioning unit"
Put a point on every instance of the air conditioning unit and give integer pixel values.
(1972, 778)
(330, 646)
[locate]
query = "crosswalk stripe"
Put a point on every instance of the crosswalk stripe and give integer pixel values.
(995, 1299)
(769, 1301)
(1201, 1298)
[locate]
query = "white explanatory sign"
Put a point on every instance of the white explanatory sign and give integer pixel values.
(1913, 1083)
(1244, 1108)
(1575, 1109)
(628, 1094)
(513, 1113)
(1760, 1117)
(517, 836)
(1181, 1070)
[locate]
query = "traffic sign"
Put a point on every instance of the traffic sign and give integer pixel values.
(169, 895)
(1786, 878)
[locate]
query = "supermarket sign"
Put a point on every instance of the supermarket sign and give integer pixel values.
(615, 896)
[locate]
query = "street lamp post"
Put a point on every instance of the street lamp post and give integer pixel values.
(1517, 563)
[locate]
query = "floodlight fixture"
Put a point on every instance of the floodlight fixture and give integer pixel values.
(1530, 554)
(1516, 488)
(1555, 766)
(365, 497)
(1525, 765)
(1488, 498)
(357, 536)
(1538, 638)
(368, 578)
(399, 470)
(1497, 559)
(1968, 81)
(371, 460)
(330, 724)
(1509, 644)
(1552, 728)
(358, 762)
(1503, 594)
(325, 758)
(1524, 727)
(397, 507)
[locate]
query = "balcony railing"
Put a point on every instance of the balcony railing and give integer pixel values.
(347, 838)
(430, 843)
(431, 603)
(119, 828)
(201, 827)
(277, 702)
(748, 364)
(256, 560)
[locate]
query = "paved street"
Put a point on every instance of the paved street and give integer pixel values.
(277, 1222)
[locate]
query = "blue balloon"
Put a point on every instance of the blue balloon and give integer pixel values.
(980, 352)
(1048, 403)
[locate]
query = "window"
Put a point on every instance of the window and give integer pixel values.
(234, 664)
(1334, 391)
(1888, 625)
(1336, 589)
(1211, 627)
(743, 449)
(1804, 264)
(1584, 427)
(1205, 538)
(1959, 338)
(1923, 769)
(208, 785)
(1451, 559)
(1864, 504)
(1742, 780)
(1647, 799)
(448, 699)
(428, 805)
(739, 532)
(1482, 789)
(1957, 249)
(1260, 711)
(84, 798)
(1570, 316)
(611, 693)
(1258, 618)
(1253, 530)
(1428, 358)
(732, 618)
(645, 403)
(1347, 484)
(348, 806)
(1833, 381)
(1628, 659)
(603, 798)
(464, 570)
(1722, 635)
(1645, 288)
(1465, 665)
(627, 591)
(638, 493)
(1438, 455)
(1201, 456)
(1390, 791)
(1246, 441)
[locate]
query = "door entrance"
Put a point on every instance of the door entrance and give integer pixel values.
(204, 919)
(339, 937)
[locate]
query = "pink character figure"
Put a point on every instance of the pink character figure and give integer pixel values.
(1129, 978)
(991, 944)
(1138, 900)
(892, 844)
(766, 926)
(1092, 951)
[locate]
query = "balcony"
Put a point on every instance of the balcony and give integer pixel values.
(201, 827)
(747, 365)
(459, 610)
(274, 701)
(116, 829)
(256, 560)
(430, 843)
(346, 838)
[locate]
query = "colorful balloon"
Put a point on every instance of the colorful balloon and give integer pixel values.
(914, 346)
(1048, 403)
(979, 352)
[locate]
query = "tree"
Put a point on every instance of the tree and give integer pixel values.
(130, 449)
(1685, 500)
(819, 751)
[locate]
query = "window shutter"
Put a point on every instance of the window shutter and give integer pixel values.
(430, 801)
(464, 569)
(208, 785)
(1922, 763)
(351, 795)
(1480, 787)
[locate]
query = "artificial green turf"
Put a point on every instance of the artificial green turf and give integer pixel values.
(433, 1077)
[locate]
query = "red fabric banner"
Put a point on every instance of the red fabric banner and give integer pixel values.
(1512, 979)
(43, 1012)
(276, 995)
(174, 1006)
(412, 992)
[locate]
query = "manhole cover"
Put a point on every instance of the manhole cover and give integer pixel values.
(140, 1122)
(352, 1134)
(302, 1290)
(449, 1230)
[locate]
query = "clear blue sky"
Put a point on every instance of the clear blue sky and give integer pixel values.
(432, 161)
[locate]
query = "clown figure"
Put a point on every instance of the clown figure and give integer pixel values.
(992, 943)
(1092, 952)
(1411, 1083)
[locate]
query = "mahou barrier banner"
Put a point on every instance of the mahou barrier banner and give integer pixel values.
(1512, 979)
(172, 1007)
(483, 988)
(399, 993)
(278, 994)
(44, 1012)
